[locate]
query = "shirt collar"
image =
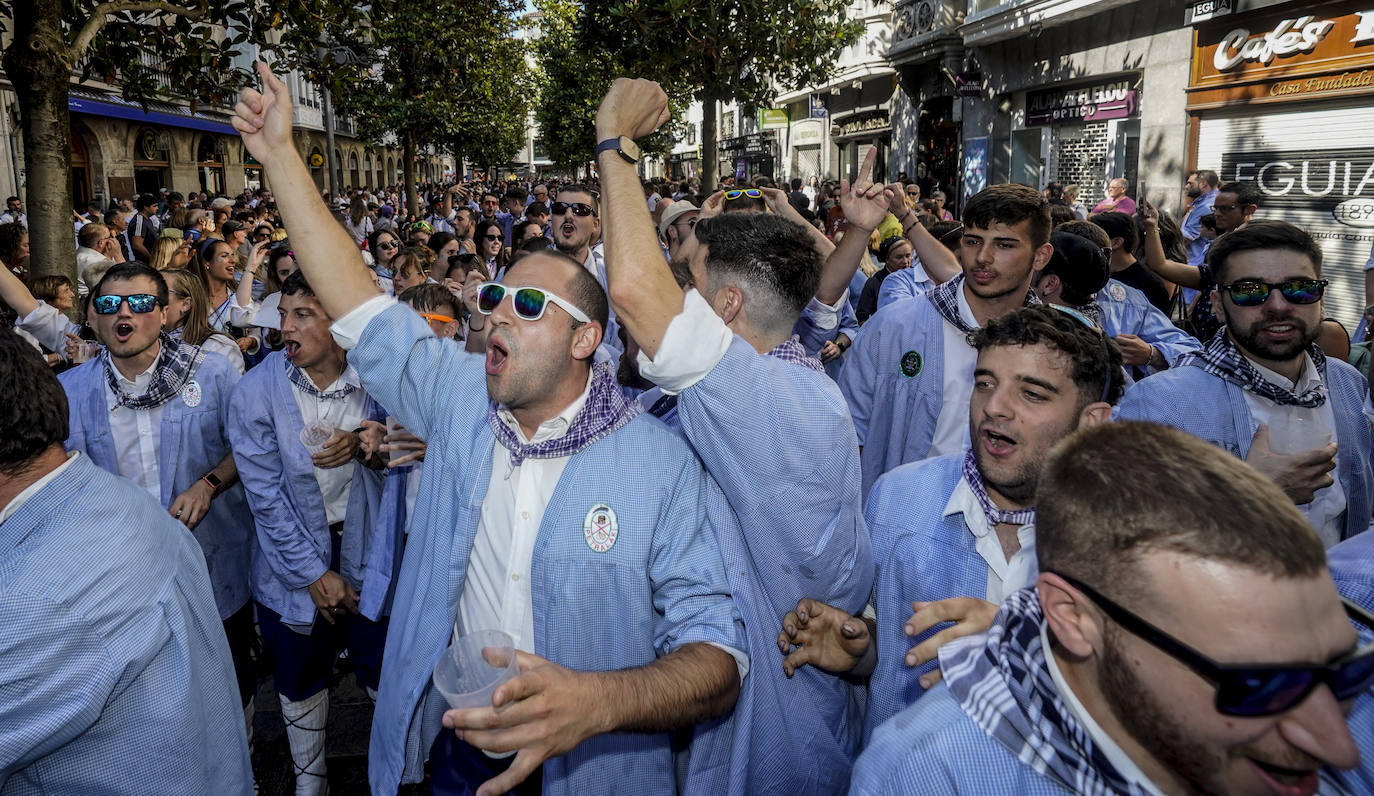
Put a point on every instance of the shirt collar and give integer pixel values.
(1114, 753)
(965, 311)
(554, 427)
(18, 500)
(963, 501)
(139, 382)
(348, 377)
(1308, 377)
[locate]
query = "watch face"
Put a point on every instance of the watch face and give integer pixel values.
(629, 148)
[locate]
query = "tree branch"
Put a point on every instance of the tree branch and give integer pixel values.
(101, 14)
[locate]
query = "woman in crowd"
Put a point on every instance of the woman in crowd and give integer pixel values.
(170, 252)
(412, 268)
(215, 262)
(57, 291)
(14, 247)
(383, 244)
(359, 222)
(491, 246)
(187, 309)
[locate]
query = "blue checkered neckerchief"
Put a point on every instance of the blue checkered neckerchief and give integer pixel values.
(793, 351)
(945, 297)
(305, 385)
(606, 410)
(1002, 681)
(1222, 359)
(176, 364)
(994, 514)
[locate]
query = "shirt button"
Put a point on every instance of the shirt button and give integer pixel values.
(515, 577)
(524, 515)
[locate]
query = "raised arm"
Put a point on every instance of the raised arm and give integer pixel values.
(865, 206)
(325, 251)
(1155, 258)
(642, 289)
(16, 294)
(939, 262)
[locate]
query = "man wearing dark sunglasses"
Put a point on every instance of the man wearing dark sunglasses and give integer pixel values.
(1262, 390)
(112, 645)
(550, 509)
(576, 223)
(771, 429)
(1164, 649)
(153, 409)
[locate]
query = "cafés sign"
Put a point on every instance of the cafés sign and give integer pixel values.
(1291, 36)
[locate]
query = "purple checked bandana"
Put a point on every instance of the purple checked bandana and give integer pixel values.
(994, 514)
(793, 351)
(605, 411)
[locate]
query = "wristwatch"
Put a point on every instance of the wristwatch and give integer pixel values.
(625, 147)
(214, 482)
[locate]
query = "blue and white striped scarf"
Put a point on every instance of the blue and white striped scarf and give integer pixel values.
(945, 297)
(176, 365)
(1002, 681)
(1221, 358)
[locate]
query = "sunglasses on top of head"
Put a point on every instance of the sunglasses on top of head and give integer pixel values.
(529, 301)
(752, 193)
(578, 209)
(1253, 293)
(1258, 689)
(139, 303)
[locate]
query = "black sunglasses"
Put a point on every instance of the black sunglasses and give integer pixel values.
(139, 303)
(1259, 689)
(1252, 292)
(578, 209)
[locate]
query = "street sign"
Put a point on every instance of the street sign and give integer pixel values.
(968, 84)
(1203, 10)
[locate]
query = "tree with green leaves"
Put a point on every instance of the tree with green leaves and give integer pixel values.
(127, 44)
(734, 50)
(445, 73)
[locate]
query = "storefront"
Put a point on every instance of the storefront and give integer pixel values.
(749, 156)
(1282, 98)
(1083, 134)
(684, 165)
(805, 138)
(853, 132)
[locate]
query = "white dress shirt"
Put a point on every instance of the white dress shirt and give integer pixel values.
(496, 592)
(1005, 575)
(951, 425)
(1121, 761)
(694, 342)
(344, 413)
(1326, 512)
(136, 431)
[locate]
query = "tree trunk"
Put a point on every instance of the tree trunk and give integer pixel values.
(410, 191)
(709, 153)
(36, 62)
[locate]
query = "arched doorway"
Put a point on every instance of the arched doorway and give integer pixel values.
(151, 156)
(338, 172)
(210, 152)
(367, 168)
(316, 162)
(353, 173)
(390, 171)
(81, 172)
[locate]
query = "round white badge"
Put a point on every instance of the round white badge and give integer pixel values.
(600, 528)
(1117, 292)
(191, 394)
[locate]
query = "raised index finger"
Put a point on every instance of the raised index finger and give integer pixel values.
(866, 170)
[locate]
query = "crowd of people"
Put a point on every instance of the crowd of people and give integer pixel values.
(803, 489)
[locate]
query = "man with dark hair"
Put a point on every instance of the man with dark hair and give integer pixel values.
(1148, 340)
(312, 508)
(1261, 390)
(576, 223)
(1202, 194)
(153, 409)
(1126, 269)
(145, 228)
(113, 665)
(14, 213)
(1118, 672)
(742, 381)
(118, 223)
(581, 530)
(956, 533)
(538, 213)
(909, 375)
(514, 202)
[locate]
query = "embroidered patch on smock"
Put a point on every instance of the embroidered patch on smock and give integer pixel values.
(911, 363)
(191, 394)
(600, 528)
(1117, 292)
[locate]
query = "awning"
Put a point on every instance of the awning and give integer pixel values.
(137, 114)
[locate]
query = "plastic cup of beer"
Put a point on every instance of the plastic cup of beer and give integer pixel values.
(472, 668)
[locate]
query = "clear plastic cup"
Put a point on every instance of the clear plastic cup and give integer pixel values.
(85, 352)
(315, 434)
(1298, 432)
(471, 669)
